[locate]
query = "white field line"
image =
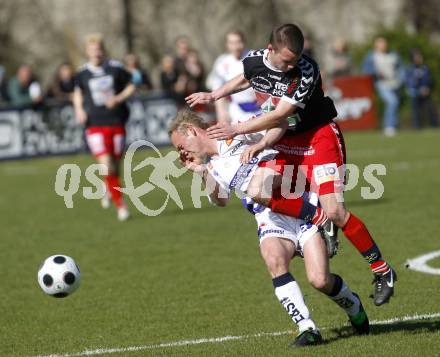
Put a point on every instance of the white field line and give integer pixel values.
(199, 341)
(420, 263)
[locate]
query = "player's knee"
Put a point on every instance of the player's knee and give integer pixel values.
(276, 264)
(319, 281)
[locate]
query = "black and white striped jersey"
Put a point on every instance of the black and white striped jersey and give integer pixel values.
(300, 86)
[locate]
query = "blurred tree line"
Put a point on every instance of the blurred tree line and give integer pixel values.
(45, 33)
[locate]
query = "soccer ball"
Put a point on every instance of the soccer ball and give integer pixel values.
(59, 276)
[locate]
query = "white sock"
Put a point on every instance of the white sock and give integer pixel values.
(345, 298)
(290, 296)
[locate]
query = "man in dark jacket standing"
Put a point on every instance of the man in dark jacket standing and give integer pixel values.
(419, 85)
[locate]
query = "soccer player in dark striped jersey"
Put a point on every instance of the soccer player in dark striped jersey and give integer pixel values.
(287, 85)
(102, 87)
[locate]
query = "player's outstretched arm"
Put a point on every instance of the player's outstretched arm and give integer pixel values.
(272, 136)
(224, 131)
(235, 85)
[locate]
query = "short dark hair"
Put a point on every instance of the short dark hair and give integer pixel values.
(288, 35)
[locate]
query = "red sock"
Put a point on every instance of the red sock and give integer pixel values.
(320, 217)
(381, 266)
(293, 207)
(112, 182)
(358, 235)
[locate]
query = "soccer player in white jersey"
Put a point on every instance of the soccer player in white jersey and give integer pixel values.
(240, 106)
(281, 237)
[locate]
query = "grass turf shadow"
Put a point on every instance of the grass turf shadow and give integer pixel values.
(379, 329)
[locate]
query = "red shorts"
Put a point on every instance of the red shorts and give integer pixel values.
(318, 153)
(106, 140)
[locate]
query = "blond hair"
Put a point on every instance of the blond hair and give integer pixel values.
(183, 119)
(94, 38)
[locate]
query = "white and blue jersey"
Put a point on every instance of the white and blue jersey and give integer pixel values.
(242, 105)
(226, 167)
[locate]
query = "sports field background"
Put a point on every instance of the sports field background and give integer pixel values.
(197, 273)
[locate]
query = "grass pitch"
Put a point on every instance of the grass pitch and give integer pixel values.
(197, 273)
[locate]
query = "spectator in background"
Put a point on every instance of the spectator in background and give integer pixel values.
(182, 49)
(196, 73)
(386, 68)
(341, 61)
(62, 85)
(419, 86)
(139, 77)
(3, 95)
(173, 83)
(240, 106)
(23, 89)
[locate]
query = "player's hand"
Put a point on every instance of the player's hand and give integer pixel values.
(222, 131)
(191, 162)
(112, 102)
(199, 98)
(251, 151)
(195, 165)
(81, 117)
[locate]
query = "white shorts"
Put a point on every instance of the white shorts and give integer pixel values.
(276, 225)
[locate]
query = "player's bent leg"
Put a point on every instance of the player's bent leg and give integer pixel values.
(106, 200)
(316, 264)
(357, 233)
(123, 213)
(265, 188)
(277, 253)
(113, 183)
(319, 276)
(105, 159)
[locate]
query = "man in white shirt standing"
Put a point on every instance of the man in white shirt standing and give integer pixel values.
(239, 106)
